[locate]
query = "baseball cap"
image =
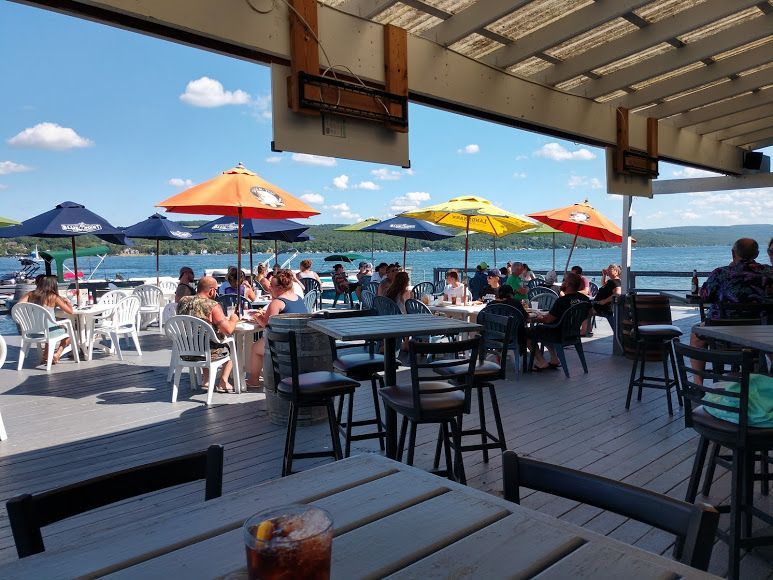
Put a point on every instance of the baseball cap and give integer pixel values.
(492, 273)
(483, 266)
(185, 269)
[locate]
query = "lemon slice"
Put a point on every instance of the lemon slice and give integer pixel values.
(265, 530)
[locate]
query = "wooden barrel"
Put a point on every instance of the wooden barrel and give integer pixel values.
(650, 309)
(313, 355)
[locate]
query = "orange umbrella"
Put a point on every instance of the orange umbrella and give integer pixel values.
(581, 220)
(242, 193)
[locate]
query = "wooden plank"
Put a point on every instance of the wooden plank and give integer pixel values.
(396, 68)
(304, 48)
(758, 337)
(516, 546)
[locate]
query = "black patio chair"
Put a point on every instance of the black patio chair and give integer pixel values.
(593, 289)
(536, 283)
(569, 335)
(311, 285)
(517, 338)
(367, 300)
(311, 299)
(385, 306)
(745, 443)
(694, 525)
(416, 306)
(423, 288)
(29, 513)
(371, 287)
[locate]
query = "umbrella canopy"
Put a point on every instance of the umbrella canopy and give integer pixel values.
(66, 220)
(405, 228)
(238, 192)
(543, 230)
(345, 258)
(158, 228)
(4, 222)
(358, 227)
(580, 220)
(475, 214)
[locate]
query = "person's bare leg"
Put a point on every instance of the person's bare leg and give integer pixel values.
(553, 356)
(697, 365)
(539, 360)
(257, 354)
(223, 384)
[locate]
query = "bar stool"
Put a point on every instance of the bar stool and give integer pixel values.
(652, 329)
(496, 337)
(311, 389)
(360, 362)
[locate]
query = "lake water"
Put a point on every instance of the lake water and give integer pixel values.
(422, 263)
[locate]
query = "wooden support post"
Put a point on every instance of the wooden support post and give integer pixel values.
(652, 143)
(304, 50)
(396, 68)
(622, 139)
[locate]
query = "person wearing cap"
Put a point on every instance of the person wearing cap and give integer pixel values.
(491, 290)
(479, 280)
(185, 287)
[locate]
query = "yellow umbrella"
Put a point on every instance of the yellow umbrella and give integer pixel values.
(472, 213)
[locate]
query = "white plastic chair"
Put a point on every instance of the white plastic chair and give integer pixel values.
(151, 304)
(3, 353)
(39, 327)
(121, 322)
(168, 286)
(113, 297)
(191, 337)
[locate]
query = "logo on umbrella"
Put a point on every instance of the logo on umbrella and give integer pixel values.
(179, 234)
(402, 226)
(81, 228)
(229, 227)
(579, 216)
(267, 197)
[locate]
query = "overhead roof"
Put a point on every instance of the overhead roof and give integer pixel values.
(705, 65)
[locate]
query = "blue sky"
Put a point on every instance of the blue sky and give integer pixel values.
(120, 121)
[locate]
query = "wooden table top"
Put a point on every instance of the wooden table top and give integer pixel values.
(757, 337)
(375, 327)
(389, 519)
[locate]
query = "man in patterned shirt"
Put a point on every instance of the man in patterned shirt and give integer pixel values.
(743, 281)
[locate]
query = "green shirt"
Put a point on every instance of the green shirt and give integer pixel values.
(515, 282)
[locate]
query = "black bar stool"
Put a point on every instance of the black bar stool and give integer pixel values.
(652, 330)
(311, 389)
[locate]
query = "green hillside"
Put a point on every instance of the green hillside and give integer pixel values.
(326, 239)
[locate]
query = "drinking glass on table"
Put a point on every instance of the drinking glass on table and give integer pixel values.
(230, 310)
(292, 541)
(535, 305)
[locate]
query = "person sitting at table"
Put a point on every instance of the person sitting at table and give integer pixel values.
(479, 280)
(365, 273)
(516, 282)
(379, 272)
(491, 290)
(399, 291)
(770, 251)
(454, 289)
(527, 275)
(307, 272)
(236, 283)
(185, 287)
(46, 294)
(284, 301)
(203, 305)
(610, 287)
(585, 288)
(261, 279)
(386, 280)
(743, 281)
(541, 332)
(341, 282)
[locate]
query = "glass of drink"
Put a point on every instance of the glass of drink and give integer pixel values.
(535, 305)
(229, 311)
(425, 299)
(292, 541)
(453, 300)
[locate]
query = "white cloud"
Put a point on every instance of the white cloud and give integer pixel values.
(207, 92)
(521, 157)
(49, 136)
(519, 175)
(410, 201)
(7, 167)
(722, 207)
(470, 149)
(261, 107)
(341, 182)
(557, 152)
(307, 159)
(367, 185)
(343, 211)
(273, 159)
(583, 181)
(313, 198)
(180, 182)
(385, 174)
(3, 186)
(691, 172)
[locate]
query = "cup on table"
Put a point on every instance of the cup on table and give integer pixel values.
(453, 300)
(230, 310)
(292, 541)
(535, 305)
(425, 298)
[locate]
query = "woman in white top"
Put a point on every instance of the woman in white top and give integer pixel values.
(453, 289)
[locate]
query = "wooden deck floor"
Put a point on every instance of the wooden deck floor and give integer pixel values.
(105, 415)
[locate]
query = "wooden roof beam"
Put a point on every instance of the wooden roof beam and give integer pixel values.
(733, 119)
(642, 39)
(578, 22)
(742, 129)
(673, 59)
(367, 9)
(722, 109)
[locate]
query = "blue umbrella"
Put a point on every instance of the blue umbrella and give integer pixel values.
(405, 228)
(158, 228)
(255, 229)
(66, 220)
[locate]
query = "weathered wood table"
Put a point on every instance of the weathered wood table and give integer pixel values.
(390, 519)
(756, 337)
(391, 328)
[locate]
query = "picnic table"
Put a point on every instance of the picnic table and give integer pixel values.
(390, 329)
(467, 312)
(388, 519)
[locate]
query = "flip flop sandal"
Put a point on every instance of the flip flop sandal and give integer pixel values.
(220, 389)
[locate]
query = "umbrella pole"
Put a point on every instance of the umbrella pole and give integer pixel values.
(571, 250)
(495, 252)
(250, 259)
(466, 251)
(373, 245)
(276, 253)
(75, 269)
(554, 251)
(405, 249)
(158, 243)
(238, 263)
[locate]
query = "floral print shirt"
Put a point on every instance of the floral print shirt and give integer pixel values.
(741, 282)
